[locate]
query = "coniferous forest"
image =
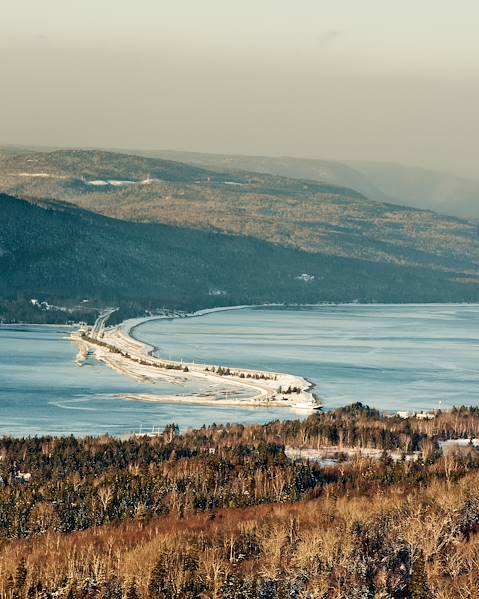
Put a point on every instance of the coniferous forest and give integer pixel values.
(224, 512)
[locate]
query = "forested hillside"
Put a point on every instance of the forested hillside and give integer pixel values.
(305, 215)
(54, 250)
(223, 512)
(421, 188)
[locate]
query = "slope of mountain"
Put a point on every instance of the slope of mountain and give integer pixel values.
(53, 250)
(95, 164)
(420, 188)
(324, 171)
(423, 188)
(298, 214)
(384, 182)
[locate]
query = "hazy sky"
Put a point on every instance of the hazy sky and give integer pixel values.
(340, 79)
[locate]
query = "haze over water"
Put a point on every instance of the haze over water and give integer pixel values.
(390, 357)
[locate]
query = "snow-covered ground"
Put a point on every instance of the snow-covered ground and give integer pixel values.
(120, 182)
(335, 454)
(41, 175)
(453, 444)
(133, 358)
(112, 182)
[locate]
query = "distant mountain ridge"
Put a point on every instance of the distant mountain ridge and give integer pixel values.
(295, 213)
(146, 232)
(98, 164)
(54, 250)
(425, 189)
(421, 188)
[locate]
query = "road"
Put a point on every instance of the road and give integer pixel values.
(99, 326)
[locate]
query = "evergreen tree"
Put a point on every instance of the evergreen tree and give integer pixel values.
(132, 590)
(21, 574)
(157, 577)
(419, 583)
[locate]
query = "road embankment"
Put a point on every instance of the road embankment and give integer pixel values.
(120, 348)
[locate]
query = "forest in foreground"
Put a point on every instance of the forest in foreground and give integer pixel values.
(223, 512)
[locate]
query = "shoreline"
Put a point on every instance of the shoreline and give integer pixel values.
(125, 353)
(272, 305)
(138, 322)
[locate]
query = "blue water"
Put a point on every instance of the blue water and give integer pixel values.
(391, 357)
(43, 391)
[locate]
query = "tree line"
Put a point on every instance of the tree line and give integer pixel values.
(222, 512)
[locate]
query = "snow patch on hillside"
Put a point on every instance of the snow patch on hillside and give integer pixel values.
(41, 175)
(120, 182)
